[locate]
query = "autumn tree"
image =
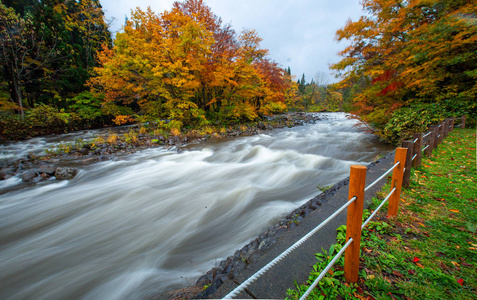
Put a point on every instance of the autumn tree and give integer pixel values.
(186, 65)
(406, 52)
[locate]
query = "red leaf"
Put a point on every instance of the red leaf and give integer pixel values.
(411, 272)
(461, 282)
(415, 260)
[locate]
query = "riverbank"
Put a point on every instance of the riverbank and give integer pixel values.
(62, 162)
(429, 250)
(219, 281)
(157, 220)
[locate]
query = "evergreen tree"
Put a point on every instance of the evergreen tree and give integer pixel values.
(58, 49)
(302, 84)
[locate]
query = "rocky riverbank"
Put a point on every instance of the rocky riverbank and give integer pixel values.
(64, 162)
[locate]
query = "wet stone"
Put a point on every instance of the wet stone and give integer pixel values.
(48, 169)
(29, 175)
(65, 173)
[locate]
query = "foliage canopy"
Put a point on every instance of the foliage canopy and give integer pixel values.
(408, 52)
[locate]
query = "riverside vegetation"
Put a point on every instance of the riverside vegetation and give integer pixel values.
(62, 71)
(41, 167)
(429, 250)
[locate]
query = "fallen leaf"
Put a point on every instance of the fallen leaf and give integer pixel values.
(455, 263)
(421, 224)
(420, 266)
(411, 272)
(370, 277)
(472, 248)
(330, 271)
(461, 282)
(415, 260)
(398, 274)
(454, 210)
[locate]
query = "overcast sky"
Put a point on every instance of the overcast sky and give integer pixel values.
(299, 34)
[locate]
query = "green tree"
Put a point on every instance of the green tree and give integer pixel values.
(21, 54)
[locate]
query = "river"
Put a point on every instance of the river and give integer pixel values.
(156, 220)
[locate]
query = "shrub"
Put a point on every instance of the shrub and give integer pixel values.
(408, 120)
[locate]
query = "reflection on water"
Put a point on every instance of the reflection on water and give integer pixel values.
(158, 220)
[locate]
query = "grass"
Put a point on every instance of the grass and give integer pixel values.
(429, 251)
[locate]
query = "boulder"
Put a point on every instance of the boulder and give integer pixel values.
(47, 169)
(65, 173)
(29, 175)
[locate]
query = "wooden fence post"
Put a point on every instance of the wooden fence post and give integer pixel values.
(439, 134)
(430, 142)
(357, 183)
(462, 122)
(436, 139)
(417, 149)
(452, 124)
(396, 182)
(406, 180)
(442, 128)
(446, 127)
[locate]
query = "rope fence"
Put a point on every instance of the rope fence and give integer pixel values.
(325, 270)
(381, 177)
(378, 208)
(262, 271)
(355, 205)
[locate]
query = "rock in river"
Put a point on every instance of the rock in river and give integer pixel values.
(65, 173)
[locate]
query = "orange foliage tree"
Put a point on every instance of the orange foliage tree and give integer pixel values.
(186, 65)
(411, 51)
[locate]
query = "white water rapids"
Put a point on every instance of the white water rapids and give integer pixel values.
(156, 220)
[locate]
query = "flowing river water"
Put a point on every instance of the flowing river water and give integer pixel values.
(156, 220)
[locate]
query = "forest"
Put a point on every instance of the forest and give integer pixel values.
(409, 64)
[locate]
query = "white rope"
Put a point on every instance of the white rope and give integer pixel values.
(277, 259)
(427, 134)
(439, 135)
(328, 267)
(439, 125)
(382, 176)
(425, 148)
(414, 157)
(416, 140)
(377, 209)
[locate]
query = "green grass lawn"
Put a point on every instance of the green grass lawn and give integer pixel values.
(429, 251)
